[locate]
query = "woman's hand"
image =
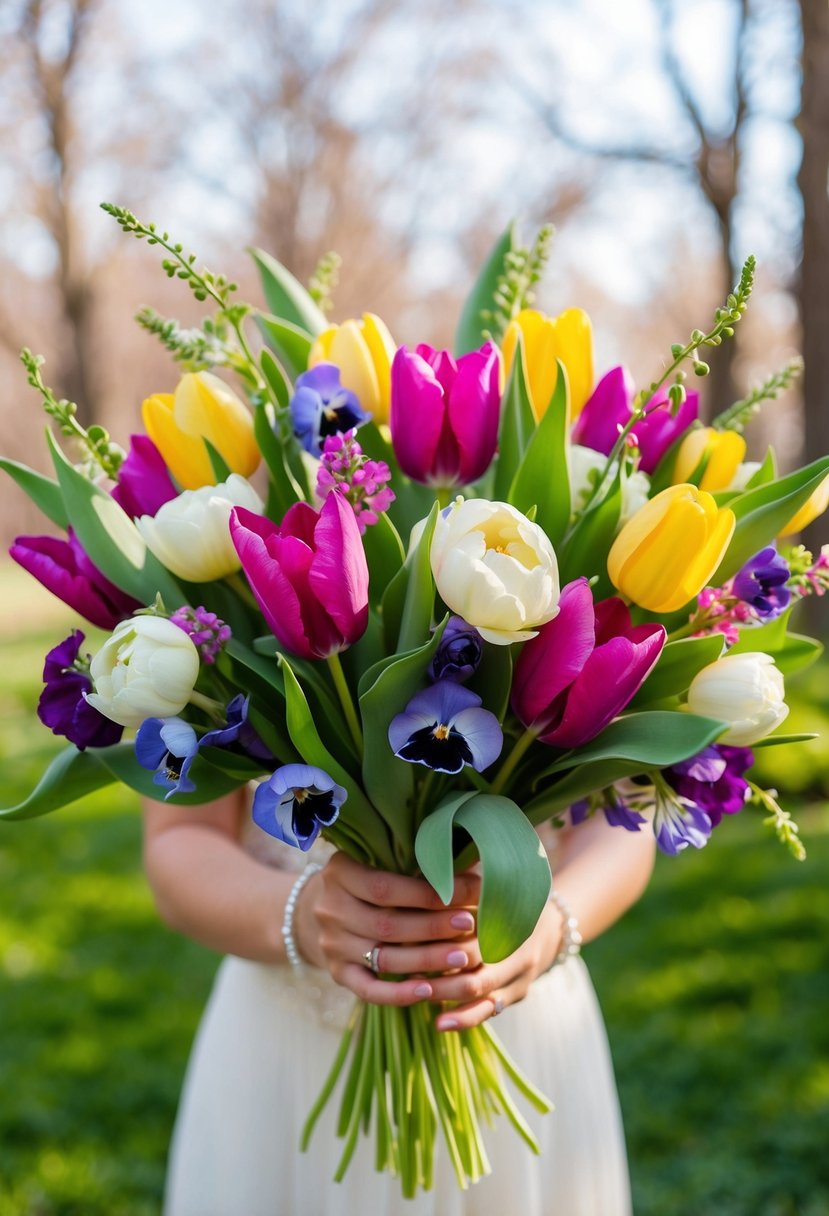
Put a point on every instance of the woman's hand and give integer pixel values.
(347, 909)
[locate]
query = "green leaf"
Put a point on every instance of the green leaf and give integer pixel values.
(43, 491)
(515, 872)
(654, 739)
(542, 478)
(283, 490)
(70, 776)
(790, 651)
(276, 377)
(798, 653)
(110, 537)
(578, 783)
(210, 782)
(493, 679)
(285, 295)
(384, 554)
(292, 345)
(409, 598)
(763, 511)
(470, 332)
(585, 550)
(517, 424)
(220, 467)
(678, 663)
(766, 473)
(777, 740)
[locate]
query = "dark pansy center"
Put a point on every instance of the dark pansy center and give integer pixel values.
(172, 766)
(338, 415)
(309, 808)
(438, 746)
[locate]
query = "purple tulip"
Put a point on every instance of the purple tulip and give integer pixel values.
(444, 728)
(444, 413)
(762, 583)
(582, 668)
(296, 802)
(459, 652)
(713, 780)
(144, 482)
(168, 745)
(63, 568)
(62, 705)
(321, 406)
(608, 410)
(309, 574)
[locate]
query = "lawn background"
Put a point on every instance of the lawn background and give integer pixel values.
(715, 989)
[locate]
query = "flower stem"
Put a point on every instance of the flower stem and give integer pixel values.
(241, 588)
(214, 708)
(508, 767)
(338, 676)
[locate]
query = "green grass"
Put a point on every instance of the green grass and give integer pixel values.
(715, 988)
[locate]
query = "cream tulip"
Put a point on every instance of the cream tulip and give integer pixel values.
(746, 690)
(146, 669)
(190, 534)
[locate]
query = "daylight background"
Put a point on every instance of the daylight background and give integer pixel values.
(665, 141)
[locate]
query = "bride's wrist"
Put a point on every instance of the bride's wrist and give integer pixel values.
(303, 926)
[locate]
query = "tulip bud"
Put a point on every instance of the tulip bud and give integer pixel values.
(203, 407)
(190, 535)
(815, 505)
(146, 669)
(363, 351)
(746, 690)
(724, 450)
(568, 337)
(668, 551)
(495, 568)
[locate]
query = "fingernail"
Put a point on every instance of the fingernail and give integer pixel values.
(457, 958)
(447, 1024)
(463, 920)
(423, 990)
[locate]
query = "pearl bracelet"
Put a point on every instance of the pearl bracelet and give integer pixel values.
(571, 938)
(293, 955)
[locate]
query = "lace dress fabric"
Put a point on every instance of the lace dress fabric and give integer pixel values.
(263, 1049)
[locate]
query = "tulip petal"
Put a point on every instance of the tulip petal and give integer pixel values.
(185, 455)
(254, 537)
(474, 411)
(351, 355)
(203, 405)
(381, 352)
(338, 574)
(418, 412)
(660, 428)
(607, 409)
(552, 660)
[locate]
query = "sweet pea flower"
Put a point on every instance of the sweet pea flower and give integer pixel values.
(568, 337)
(296, 802)
(63, 706)
(146, 669)
(678, 822)
(459, 652)
(495, 568)
(444, 413)
(190, 534)
(202, 407)
(321, 407)
(724, 451)
(144, 483)
(445, 728)
(582, 668)
(745, 690)
(169, 746)
(815, 505)
(63, 567)
(667, 552)
(309, 574)
(713, 780)
(761, 583)
(363, 351)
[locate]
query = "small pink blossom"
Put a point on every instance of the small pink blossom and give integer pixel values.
(362, 481)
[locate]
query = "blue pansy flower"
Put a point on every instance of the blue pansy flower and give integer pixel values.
(321, 406)
(296, 802)
(168, 745)
(762, 583)
(238, 732)
(444, 727)
(459, 652)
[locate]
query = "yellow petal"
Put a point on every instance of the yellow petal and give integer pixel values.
(690, 453)
(321, 349)
(185, 455)
(706, 561)
(638, 528)
(204, 405)
(652, 574)
(727, 452)
(350, 353)
(814, 505)
(381, 351)
(573, 345)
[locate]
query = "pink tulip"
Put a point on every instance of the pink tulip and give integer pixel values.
(309, 574)
(444, 414)
(582, 668)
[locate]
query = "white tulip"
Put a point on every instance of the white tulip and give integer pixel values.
(145, 669)
(745, 690)
(585, 467)
(496, 569)
(190, 534)
(744, 474)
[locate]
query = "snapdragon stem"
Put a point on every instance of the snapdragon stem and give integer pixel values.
(508, 767)
(341, 685)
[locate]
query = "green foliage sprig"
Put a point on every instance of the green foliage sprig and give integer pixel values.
(101, 452)
(197, 348)
(324, 280)
(780, 821)
(523, 268)
(741, 412)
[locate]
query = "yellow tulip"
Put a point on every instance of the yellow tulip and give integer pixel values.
(814, 505)
(725, 451)
(363, 351)
(568, 337)
(202, 407)
(668, 551)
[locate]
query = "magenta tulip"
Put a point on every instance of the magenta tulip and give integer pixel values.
(309, 574)
(144, 482)
(608, 410)
(582, 668)
(444, 413)
(63, 567)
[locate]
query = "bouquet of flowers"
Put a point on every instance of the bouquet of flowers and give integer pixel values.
(427, 601)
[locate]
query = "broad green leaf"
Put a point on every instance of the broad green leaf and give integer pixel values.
(220, 467)
(585, 550)
(409, 598)
(764, 511)
(578, 783)
(542, 478)
(292, 345)
(285, 295)
(790, 651)
(111, 538)
(412, 502)
(517, 424)
(798, 653)
(678, 663)
(766, 473)
(70, 776)
(384, 554)
(493, 679)
(283, 490)
(655, 739)
(210, 782)
(515, 872)
(43, 491)
(275, 375)
(471, 326)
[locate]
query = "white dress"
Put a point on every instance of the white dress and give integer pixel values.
(264, 1047)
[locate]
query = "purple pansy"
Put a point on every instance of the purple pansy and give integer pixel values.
(296, 802)
(63, 706)
(321, 406)
(168, 745)
(444, 727)
(713, 780)
(761, 583)
(459, 652)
